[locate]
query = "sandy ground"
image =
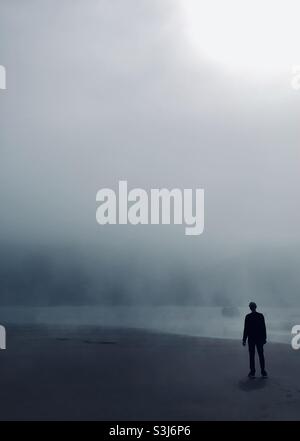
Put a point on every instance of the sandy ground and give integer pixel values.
(112, 374)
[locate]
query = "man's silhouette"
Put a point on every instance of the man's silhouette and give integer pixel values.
(255, 332)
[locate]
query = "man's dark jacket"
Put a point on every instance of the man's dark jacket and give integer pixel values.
(255, 328)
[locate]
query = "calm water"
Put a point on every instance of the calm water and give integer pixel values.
(195, 321)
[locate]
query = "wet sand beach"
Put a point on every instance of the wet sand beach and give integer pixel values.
(94, 373)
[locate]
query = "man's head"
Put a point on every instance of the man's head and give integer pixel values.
(252, 306)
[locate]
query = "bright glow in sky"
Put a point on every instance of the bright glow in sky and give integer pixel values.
(262, 36)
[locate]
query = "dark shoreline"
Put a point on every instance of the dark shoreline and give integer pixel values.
(111, 374)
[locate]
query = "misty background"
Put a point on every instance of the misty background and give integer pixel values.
(105, 90)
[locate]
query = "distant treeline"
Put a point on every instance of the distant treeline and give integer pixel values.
(44, 276)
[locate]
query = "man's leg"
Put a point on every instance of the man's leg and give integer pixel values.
(251, 346)
(260, 351)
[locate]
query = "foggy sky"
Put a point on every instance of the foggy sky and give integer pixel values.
(105, 90)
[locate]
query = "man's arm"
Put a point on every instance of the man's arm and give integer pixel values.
(245, 334)
(264, 331)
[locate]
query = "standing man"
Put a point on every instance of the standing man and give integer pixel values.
(255, 332)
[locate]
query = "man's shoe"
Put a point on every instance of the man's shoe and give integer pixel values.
(251, 375)
(264, 374)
